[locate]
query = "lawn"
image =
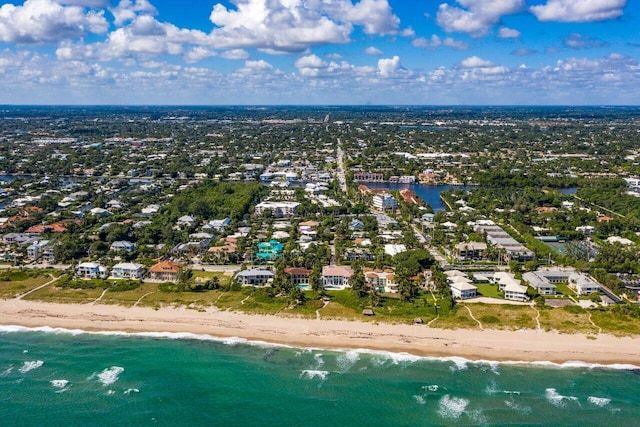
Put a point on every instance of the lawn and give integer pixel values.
(489, 290)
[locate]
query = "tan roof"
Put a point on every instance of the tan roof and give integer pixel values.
(166, 267)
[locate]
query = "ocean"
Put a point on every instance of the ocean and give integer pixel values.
(54, 377)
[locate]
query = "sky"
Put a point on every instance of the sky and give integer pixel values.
(320, 52)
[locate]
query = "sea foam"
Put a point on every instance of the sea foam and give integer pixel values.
(61, 385)
(598, 401)
(313, 373)
(383, 357)
(30, 366)
(108, 376)
(557, 399)
(452, 407)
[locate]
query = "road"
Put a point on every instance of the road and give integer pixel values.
(342, 180)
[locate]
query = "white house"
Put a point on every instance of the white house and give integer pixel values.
(41, 249)
(462, 288)
(583, 284)
(254, 277)
(127, 270)
(278, 208)
(122, 245)
(515, 292)
(336, 276)
(91, 270)
(381, 280)
(540, 283)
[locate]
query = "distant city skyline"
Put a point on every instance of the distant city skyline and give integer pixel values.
(306, 52)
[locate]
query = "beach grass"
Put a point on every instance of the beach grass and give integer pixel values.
(457, 318)
(615, 323)
(58, 295)
(16, 283)
(504, 316)
(570, 319)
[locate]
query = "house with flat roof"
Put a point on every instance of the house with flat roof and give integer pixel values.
(255, 277)
(127, 270)
(91, 270)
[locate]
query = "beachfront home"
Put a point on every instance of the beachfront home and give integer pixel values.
(461, 288)
(298, 276)
(515, 292)
(381, 280)
(336, 276)
(254, 277)
(583, 284)
(91, 270)
(540, 283)
(127, 270)
(165, 271)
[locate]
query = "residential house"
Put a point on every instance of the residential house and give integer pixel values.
(515, 292)
(91, 270)
(122, 245)
(471, 250)
(165, 271)
(255, 277)
(127, 270)
(218, 225)
(41, 249)
(336, 276)
(298, 276)
(461, 288)
(583, 284)
(540, 283)
(381, 280)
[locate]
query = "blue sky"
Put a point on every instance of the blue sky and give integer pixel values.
(430, 52)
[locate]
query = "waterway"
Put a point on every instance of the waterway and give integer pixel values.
(429, 193)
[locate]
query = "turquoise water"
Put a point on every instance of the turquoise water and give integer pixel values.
(58, 378)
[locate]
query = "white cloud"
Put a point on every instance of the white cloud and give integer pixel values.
(295, 25)
(475, 62)
(372, 50)
(435, 41)
(388, 66)
(477, 17)
(197, 54)
(235, 54)
(127, 10)
(46, 21)
(508, 33)
(579, 10)
(310, 61)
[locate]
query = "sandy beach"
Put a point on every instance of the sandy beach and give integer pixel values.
(420, 340)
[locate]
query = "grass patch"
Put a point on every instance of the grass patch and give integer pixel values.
(64, 296)
(504, 316)
(16, 283)
(489, 290)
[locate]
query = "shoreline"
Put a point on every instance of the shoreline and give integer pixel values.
(525, 346)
